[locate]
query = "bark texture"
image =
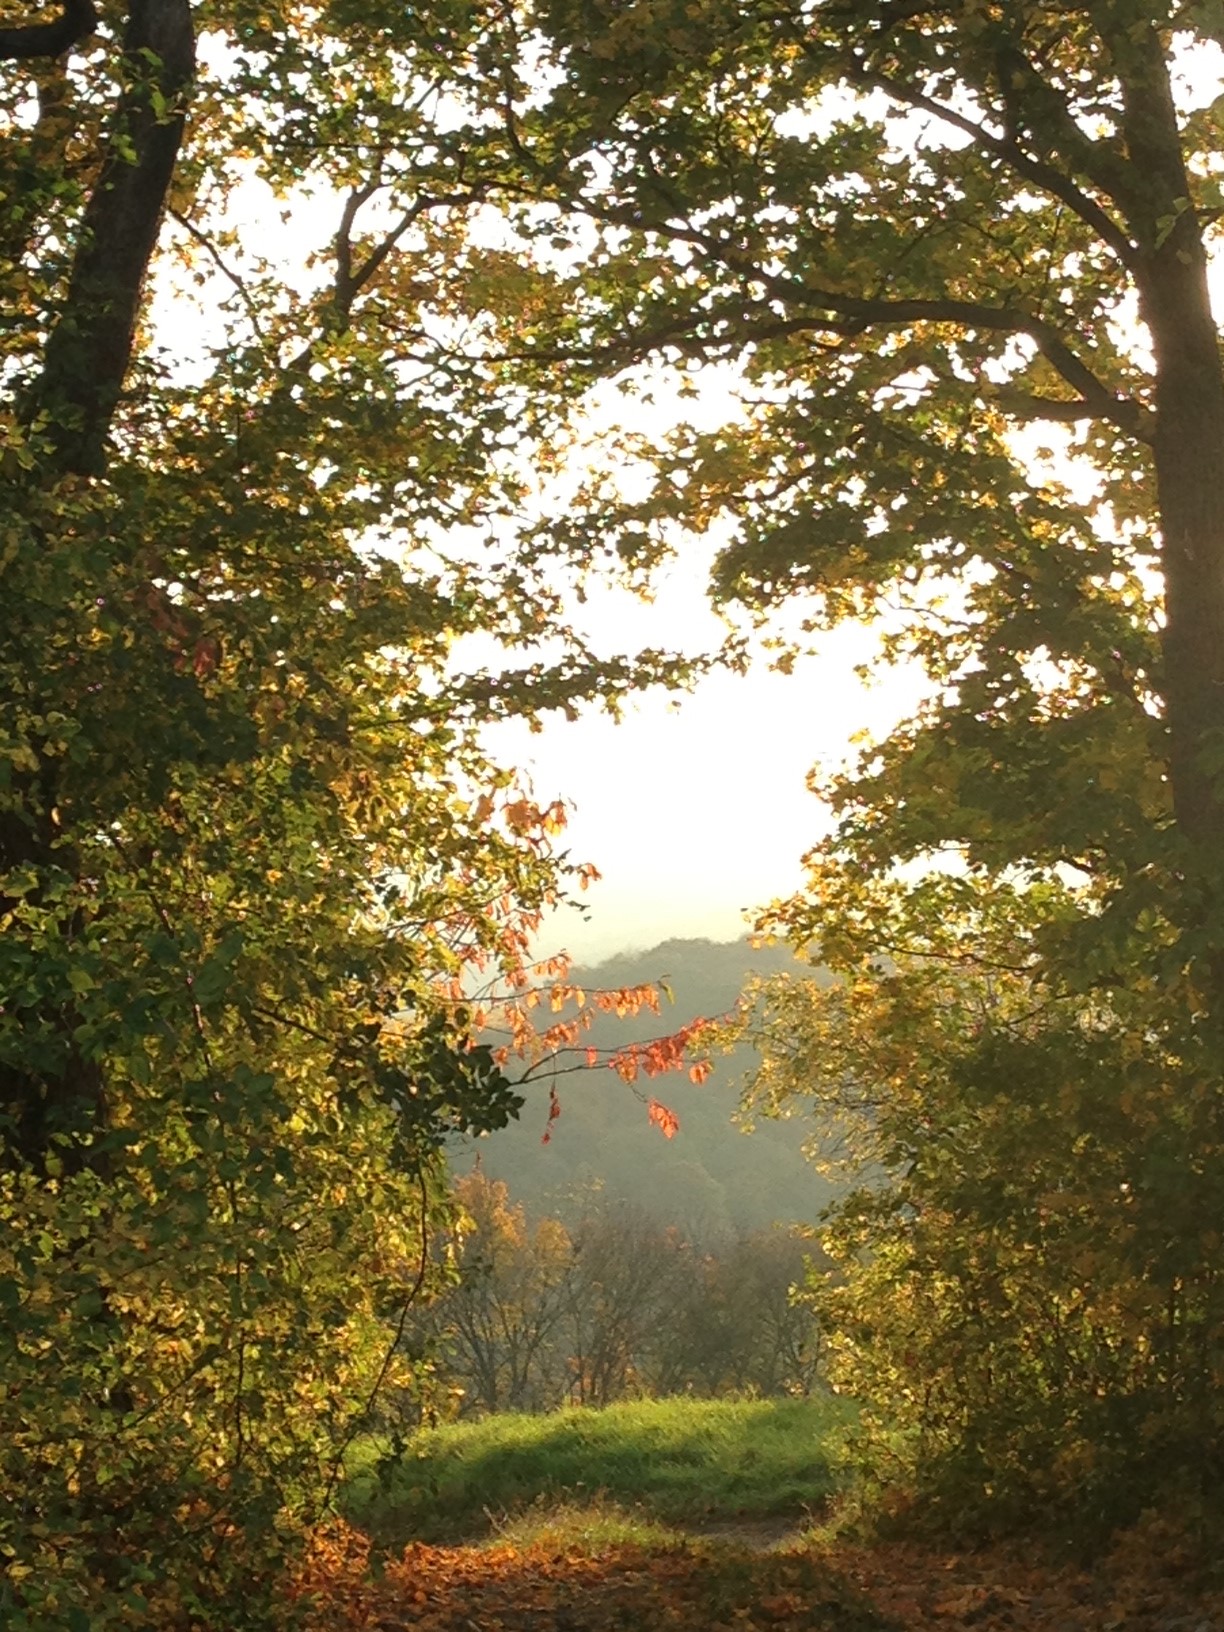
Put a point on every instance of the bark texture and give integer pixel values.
(90, 348)
(1188, 446)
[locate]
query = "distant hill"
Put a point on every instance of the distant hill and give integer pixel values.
(711, 1178)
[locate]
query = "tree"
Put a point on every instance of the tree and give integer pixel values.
(918, 229)
(250, 844)
(736, 1326)
(935, 239)
(498, 1325)
(1026, 1275)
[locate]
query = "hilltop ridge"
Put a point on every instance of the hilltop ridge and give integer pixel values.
(712, 1178)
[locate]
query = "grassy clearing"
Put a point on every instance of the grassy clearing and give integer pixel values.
(589, 1525)
(648, 1462)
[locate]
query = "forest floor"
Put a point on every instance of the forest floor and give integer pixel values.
(742, 1583)
(696, 1516)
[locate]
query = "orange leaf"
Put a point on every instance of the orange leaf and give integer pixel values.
(554, 1111)
(667, 1122)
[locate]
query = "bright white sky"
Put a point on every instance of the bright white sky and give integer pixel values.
(697, 812)
(694, 808)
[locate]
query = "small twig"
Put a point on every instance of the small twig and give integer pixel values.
(296, 1025)
(226, 271)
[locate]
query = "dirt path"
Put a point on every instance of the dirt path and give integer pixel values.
(756, 1535)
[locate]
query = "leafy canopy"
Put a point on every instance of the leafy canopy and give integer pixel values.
(258, 607)
(942, 242)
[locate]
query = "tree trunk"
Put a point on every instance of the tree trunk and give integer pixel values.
(1189, 451)
(54, 1089)
(90, 348)
(1189, 455)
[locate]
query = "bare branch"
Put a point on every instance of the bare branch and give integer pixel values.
(76, 22)
(222, 266)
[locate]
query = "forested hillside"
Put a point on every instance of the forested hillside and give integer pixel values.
(711, 1178)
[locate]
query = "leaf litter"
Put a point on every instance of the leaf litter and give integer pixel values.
(726, 1584)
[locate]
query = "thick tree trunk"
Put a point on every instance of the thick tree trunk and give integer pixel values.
(55, 1091)
(1189, 451)
(90, 348)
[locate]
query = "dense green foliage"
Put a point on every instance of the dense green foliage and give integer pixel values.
(1022, 1267)
(672, 1459)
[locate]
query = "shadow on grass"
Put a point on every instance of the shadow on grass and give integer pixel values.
(657, 1463)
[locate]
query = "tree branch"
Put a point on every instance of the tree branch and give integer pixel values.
(853, 314)
(1008, 152)
(89, 350)
(350, 280)
(370, 266)
(848, 315)
(222, 266)
(362, 1417)
(76, 22)
(345, 287)
(1123, 411)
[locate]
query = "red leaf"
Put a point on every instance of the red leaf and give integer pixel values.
(667, 1122)
(554, 1111)
(206, 656)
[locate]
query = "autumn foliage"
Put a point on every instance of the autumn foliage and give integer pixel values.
(1155, 1582)
(556, 1586)
(282, 536)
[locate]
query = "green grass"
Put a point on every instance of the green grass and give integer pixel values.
(644, 1462)
(591, 1524)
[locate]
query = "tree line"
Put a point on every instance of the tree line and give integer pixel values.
(614, 1306)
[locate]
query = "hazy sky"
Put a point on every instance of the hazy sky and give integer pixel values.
(694, 808)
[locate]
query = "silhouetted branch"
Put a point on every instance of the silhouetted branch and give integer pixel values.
(76, 22)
